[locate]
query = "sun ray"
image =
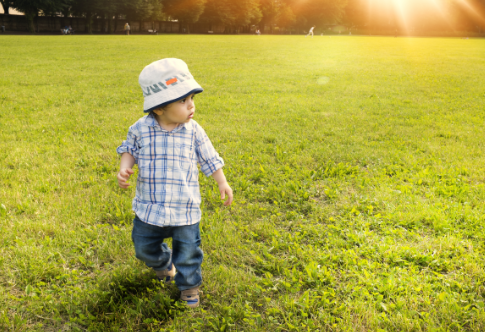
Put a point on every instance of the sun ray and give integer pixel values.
(409, 15)
(471, 10)
(440, 9)
(401, 14)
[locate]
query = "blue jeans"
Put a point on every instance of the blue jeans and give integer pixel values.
(186, 256)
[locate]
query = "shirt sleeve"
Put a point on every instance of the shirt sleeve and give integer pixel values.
(207, 157)
(131, 145)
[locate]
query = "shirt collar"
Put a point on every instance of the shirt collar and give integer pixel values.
(150, 121)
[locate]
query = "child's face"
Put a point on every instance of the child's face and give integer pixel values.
(178, 112)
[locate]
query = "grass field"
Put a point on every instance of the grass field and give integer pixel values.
(357, 163)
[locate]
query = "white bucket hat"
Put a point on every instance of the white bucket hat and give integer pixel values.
(166, 81)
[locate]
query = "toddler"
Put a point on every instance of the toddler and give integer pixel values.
(167, 144)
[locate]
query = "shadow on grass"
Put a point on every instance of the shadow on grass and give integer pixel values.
(125, 301)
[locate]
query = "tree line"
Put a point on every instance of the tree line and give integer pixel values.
(288, 14)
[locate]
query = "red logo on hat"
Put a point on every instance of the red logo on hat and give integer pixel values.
(173, 80)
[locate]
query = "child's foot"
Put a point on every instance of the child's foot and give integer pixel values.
(166, 275)
(191, 297)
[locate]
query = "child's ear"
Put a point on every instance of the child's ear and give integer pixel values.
(158, 111)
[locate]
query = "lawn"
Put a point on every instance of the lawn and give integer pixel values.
(357, 165)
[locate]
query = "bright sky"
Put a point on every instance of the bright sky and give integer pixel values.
(12, 11)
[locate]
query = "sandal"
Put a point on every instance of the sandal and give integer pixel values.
(166, 275)
(191, 297)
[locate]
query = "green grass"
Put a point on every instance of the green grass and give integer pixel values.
(357, 165)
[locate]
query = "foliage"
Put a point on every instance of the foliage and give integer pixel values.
(31, 8)
(157, 10)
(286, 17)
(319, 12)
(231, 13)
(186, 11)
(357, 165)
(143, 10)
(302, 14)
(356, 13)
(88, 9)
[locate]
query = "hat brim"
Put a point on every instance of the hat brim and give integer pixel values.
(194, 91)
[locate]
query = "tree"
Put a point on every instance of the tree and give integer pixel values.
(143, 10)
(356, 13)
(270, 10)
(157, 12)
(88, 9)
(6, 4)
(217, 12)
(320, 12)
(108, 10)
(32, 8)
(185, 11)
(231, 13)
(285, 18)
(254, 15)
(469, 14)
(283, 13)
(245, 12)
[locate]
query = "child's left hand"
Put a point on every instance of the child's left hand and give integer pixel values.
(225, 189)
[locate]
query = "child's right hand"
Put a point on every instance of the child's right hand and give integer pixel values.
(123, 176)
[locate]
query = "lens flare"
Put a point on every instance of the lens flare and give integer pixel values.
(406, 16)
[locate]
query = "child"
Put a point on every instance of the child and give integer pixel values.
(167, 145)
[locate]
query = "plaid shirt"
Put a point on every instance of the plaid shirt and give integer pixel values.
(167, 188)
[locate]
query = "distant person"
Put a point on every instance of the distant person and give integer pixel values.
(310, 32)
(127, 29)
(167, 145)
(258, 32)
(3, 29)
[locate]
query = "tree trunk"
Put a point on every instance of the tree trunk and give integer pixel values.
(30, 19)
(110, 24)
(89, 23)
(5, 5)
